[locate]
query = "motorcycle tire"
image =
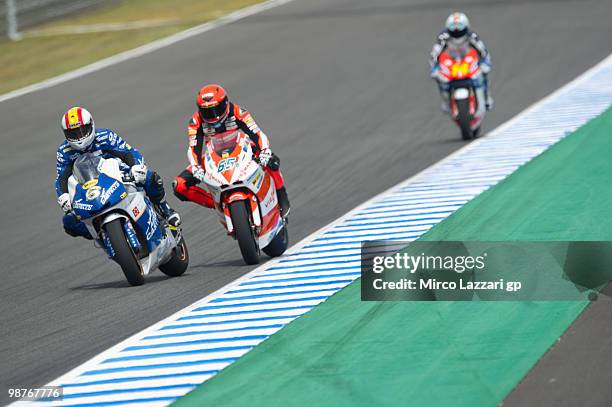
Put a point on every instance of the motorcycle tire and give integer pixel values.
(279, 244)
(244, 232)
(464, 118)
(124, 254)
(476, 132)
(177, 265)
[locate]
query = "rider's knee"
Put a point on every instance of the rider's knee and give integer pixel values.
(179, 187)
(155, 186)
(276, 175)
(74, 227)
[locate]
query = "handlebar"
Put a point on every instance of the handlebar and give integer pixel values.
(125, 177)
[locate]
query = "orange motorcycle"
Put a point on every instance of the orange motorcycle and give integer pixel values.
(460, 68)
(245, 196)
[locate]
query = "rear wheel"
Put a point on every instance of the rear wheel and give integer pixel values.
(179, 261)
(124, 254)
(464, 118)
(279, 244)
(244, 232)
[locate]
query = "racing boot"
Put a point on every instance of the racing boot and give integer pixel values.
(165, 210)
(283, 201)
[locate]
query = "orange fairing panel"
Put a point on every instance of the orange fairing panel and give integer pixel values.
(236, 196)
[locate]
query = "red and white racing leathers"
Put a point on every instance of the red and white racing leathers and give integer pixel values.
(198, 131)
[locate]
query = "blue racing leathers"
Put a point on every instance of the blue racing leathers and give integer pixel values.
(108, 144)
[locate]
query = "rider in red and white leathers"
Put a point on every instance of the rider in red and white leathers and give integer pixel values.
(216, 115)
(458, 34)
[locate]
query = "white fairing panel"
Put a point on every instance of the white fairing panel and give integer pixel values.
(461, 93)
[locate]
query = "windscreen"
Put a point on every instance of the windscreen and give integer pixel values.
(85, 167)
(458, 52)
(224, 142)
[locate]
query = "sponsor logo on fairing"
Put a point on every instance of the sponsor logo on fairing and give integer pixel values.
(90, 183)
(82, 206)
(107, 193)
(152, 224)
(270, 201)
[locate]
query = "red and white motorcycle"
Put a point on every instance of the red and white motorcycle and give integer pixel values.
(460, 68)
(245, 196)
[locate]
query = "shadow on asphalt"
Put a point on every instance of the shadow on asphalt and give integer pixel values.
(118, 283)
(226, 263)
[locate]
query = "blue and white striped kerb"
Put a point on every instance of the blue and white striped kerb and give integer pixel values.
(167, 360)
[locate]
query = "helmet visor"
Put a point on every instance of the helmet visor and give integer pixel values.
(79, 133)
(213, 114)
(458, 33)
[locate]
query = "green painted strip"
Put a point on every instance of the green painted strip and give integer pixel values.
(347, 352)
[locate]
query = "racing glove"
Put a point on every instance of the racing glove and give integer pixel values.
(64, 202)
(198, 173)
(139, 173)
(264, 156)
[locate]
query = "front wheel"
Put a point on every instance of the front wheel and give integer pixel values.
(464, 118)
(179, 261)
(279, 244)
(124, 254)
(244, 232)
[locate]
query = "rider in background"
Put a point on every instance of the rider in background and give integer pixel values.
(458, 35)
(82, 137)
(216, 115)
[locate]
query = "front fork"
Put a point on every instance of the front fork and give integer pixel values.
(130, 233)
(252, 204)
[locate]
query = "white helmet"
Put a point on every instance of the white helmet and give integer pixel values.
(79, 128)
(457, 25)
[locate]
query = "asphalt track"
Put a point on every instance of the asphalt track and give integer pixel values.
(342, 88)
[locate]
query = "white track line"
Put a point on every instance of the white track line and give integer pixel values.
(145, 49)
(193, 344)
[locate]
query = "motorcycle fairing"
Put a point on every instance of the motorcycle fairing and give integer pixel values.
(239, 174)
(122, 200)
(102, 193)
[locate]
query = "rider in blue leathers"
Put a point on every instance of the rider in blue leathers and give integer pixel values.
(83, 137)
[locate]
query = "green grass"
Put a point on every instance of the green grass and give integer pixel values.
(37, 58)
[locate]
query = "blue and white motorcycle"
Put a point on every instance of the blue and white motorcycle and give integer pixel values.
(123, 220)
